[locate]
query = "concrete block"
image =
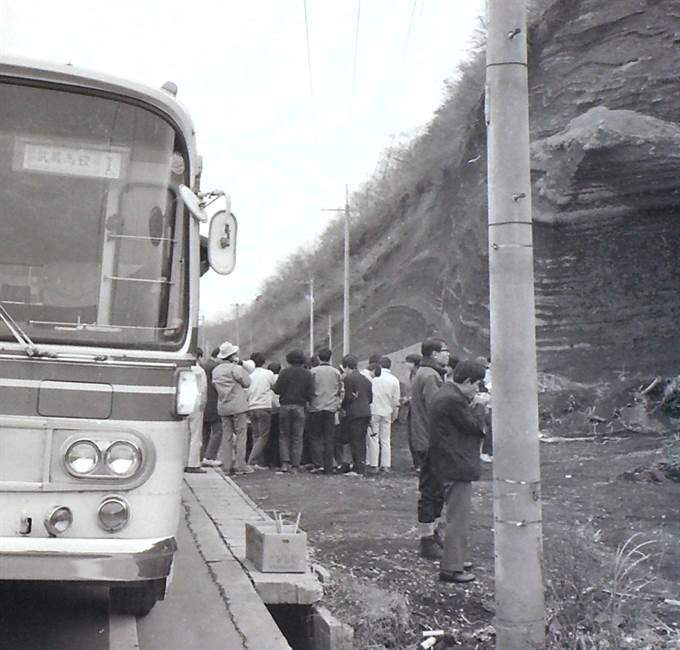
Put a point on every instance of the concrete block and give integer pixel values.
(276, 549)
(329, 633)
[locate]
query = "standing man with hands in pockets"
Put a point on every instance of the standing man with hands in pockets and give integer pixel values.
(231, 382)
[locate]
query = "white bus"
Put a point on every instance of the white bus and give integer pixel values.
(100, 260)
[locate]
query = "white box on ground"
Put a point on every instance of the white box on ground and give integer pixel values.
(273, 549)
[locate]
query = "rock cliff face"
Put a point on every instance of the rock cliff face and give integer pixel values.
(605, 116)
(606, 158)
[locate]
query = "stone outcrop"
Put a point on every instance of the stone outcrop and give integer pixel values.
(606, 162)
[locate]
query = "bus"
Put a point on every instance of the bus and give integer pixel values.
(100, 259)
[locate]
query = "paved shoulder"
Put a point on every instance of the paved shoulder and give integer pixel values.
(212, 603)
(230, 508)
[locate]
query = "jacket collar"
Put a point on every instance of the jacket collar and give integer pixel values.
(428, 363)
(457, 393)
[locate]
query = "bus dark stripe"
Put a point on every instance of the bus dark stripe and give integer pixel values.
(125, 406)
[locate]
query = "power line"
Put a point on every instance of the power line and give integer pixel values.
(356, 48)
(410, 23)
(309, 56)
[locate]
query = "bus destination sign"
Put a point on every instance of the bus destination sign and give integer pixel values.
(70, 161)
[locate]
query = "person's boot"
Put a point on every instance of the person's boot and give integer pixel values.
(439, 538)
(456, 576)
(429, 549)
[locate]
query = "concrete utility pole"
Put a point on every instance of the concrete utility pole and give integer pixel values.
(311, 317)
(520, 617)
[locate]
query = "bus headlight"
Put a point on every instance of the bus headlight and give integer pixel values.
(113, 514)
(59, 521)
(187, 394)
(82, 457)
(123, 458)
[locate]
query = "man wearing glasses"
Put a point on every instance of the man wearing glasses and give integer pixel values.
(426, 382)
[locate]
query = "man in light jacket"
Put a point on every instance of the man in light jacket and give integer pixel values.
(384, 411)
(260, 396)
(231, 382)
(327, 393)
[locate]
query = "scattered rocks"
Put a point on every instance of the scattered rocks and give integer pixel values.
(658, 473)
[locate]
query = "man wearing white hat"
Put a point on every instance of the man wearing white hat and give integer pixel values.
(230, 381)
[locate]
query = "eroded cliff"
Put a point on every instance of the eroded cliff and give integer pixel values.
(605, 121)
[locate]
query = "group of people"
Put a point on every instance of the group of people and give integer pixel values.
(341, 418)
(309, 415)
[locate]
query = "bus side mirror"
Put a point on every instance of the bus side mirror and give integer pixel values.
(222, 242)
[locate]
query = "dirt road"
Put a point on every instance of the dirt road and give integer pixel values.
(597, 493)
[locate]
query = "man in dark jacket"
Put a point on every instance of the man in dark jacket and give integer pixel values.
(212, 425)
(456, 432)
(426, 382)
(357, 408)
(294, 388)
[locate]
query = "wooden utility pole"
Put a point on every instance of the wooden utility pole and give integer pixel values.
(345, 299)
(238, 334)
(520, 617)
(311, 317)
(201, 334)
(345, 296)
(330, 333)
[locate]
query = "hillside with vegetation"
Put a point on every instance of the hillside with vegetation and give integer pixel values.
(605, 127)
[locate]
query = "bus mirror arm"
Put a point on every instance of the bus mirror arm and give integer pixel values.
(198, 202)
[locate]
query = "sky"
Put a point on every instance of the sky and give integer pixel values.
(283, 121)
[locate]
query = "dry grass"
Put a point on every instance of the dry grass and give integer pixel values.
(610, 610)
(381, 619)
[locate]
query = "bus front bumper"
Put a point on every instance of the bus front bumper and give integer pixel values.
(95, 560)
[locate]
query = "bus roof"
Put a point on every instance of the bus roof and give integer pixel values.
(69, 75)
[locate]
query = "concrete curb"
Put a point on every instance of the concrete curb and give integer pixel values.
(224, 510)
(230, 509)
(248, 613)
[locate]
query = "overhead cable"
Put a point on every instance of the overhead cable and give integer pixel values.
(309, 56)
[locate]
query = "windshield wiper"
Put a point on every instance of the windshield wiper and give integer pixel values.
(19, 334)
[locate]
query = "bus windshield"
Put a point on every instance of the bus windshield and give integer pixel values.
(94, 238)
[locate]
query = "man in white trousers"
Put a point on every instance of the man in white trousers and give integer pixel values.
(384, 410)
(195, 420)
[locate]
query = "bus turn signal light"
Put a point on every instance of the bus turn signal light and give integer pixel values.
(59, 521)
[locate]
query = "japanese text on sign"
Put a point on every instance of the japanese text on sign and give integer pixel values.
(72, 162)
